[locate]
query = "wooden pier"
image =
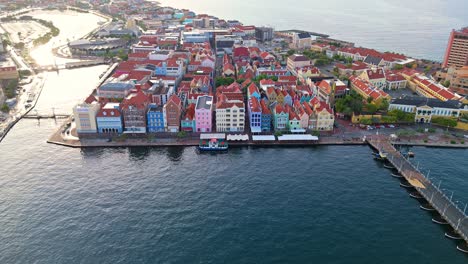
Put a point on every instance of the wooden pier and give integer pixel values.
(449, 212)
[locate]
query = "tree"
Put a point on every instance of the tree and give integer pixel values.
(371, 108)
(5, 108)
(398, 67)
(219, 81)
(369, 99)
(427, 69)
(446, 83)
(291, 52)
(384, 104)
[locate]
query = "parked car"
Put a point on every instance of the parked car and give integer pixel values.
(390, 126)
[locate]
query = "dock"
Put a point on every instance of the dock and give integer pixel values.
(448, 211)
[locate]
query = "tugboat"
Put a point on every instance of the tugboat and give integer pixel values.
(213, 144)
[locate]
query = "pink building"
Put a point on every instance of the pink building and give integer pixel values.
(203, 113)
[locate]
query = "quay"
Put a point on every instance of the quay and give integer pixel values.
(448, 212)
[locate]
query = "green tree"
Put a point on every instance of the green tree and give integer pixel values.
(5, 108)
(223, 81)
(291, 52)
(446, 83)
(398, 67)
(371, 108)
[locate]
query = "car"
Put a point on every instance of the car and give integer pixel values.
(465, 136)
(390, 126)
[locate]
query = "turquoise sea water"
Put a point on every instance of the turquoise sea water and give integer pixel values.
(416, 28)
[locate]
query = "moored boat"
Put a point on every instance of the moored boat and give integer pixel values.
(213, 144)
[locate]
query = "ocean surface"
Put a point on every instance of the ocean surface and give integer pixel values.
(330, 204)
(416, 28)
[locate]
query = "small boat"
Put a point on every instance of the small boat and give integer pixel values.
(389, 166)
(213, 145)
(410, 154)
(396, 175)
(382, 155)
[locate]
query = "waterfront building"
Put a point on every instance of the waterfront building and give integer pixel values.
(426, 108)
(279, 96)
(366, 89)
(294, 122)
(109, 119)
(296, 61)
(302, 114)
(155, 118)
(324, 113)
(287, 98)
(204, 113)
(85, 117)
(312, 122)
(255, 115)
(230, 115)
(187, 123)
(304, 93)
(376, 77)
(458, 79)
(264, 34)
(172, 111)
(159, 93)
(456, 54)
(280, 117)
(134, 109)
(266, 116)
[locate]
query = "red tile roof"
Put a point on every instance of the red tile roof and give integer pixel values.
(375, 74)
(138, 100)
(255, 105)
(90, 99)
(265, 109)
(190, 112)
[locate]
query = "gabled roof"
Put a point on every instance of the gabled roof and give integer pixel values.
(90, 99)
(298, 57)
(375, 74)
(265, 109)
(253, 89)
(241, 52)
(373, 60)
(255, 105)
(138, 100)
(190, 112)
(175, 100)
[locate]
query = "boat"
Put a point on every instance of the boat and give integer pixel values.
(382, 155)
(213, 144)
(410, 154)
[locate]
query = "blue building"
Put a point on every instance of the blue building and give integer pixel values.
(109, 119)
(266, 117)
(255, 115)
(155, 118)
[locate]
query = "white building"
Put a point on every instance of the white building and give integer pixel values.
(425, 108)
(85, 117)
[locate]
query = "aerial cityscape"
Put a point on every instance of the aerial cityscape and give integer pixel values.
(178, 131)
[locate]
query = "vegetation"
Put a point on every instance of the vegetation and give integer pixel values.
(278, 133)
(446, 83)
(319, 57)
(182, 134)
(315, 133)
(401, 116)
(122, 55)
(290, 52)
(444, 121)
(350, 104)
(5, 108)
(10, 89)
(219, 81)
(405, 132)
(431, 130)
(398, 67)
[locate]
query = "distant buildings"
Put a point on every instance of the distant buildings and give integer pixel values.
(264, 34)
(456, 54)
(96, 46)
(297, 61)
(367, 90)
(301, 40)
(8, 70)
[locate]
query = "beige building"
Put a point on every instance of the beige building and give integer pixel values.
(376, 77)
(85, 117)
(301, 41)
(230, 115)
(8, 70)
(297, 61)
